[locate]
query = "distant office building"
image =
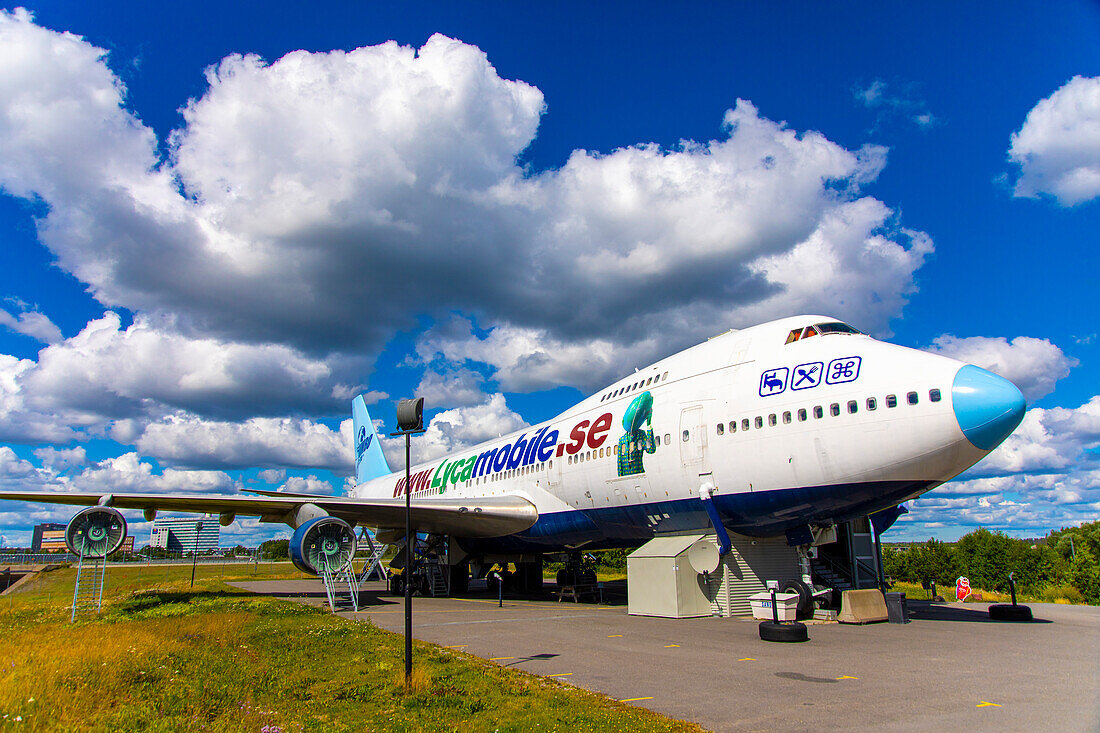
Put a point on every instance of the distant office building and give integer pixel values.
(49, 537)
(178, 534)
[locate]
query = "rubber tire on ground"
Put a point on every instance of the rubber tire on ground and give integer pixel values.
(397, 585)
(790, 631)
(1008, 612)
(805, 608)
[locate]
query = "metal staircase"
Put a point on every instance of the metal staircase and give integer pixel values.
(438, 577)
(341, 588)
(374, 559)
(827, 574)
(88, 594)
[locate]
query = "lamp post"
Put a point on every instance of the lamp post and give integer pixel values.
(410, 421)
(195, 551)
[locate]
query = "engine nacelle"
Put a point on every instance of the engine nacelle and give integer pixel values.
(95, 532)
(322, 543)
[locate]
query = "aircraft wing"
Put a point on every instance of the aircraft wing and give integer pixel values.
(487, 516)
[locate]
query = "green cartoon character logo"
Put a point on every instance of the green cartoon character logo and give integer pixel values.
(637, 440)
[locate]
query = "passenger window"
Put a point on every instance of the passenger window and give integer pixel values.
(657, 379)
(664, 376)
(934, 395)
(686, 435)
(872, 403)
(802, 415)
(668, 438)
(786, 418)
(721, 428)
(911, 398)
(853, 407)
(759, 422)
(891, 400)
(745, 424)
(818, 412)
(733, 426)
(771, 419)
(834, 409)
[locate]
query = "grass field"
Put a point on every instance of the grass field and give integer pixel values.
(1065, 594)
(162, 657)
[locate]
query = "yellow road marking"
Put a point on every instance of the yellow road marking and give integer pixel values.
(746, 659)
(847, 677)
(499, 659)
(561, 674)
(635, 699)
(984, 704)
(669, 646)
(612, 636)
(456, 646)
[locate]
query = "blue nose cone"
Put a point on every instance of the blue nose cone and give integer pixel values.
(987, 407)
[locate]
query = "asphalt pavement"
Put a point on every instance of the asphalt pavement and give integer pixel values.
(950, 667)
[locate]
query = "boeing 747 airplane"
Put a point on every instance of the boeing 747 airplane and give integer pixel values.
(783, 429)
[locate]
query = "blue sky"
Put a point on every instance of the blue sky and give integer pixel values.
(209, 245)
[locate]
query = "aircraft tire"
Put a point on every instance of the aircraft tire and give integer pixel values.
(1008, 612)
(805, 607)
(793, 631)
(397, 585)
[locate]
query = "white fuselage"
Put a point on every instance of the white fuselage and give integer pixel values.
(785, 433)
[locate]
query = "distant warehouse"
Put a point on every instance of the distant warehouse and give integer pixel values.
(178, 534)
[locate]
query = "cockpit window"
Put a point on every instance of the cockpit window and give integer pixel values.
(835, 327)
(824, 329)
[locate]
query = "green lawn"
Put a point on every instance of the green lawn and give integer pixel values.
(162, 657)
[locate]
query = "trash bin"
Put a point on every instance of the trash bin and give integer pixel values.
(896, 608)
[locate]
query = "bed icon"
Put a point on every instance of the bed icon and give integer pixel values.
(773, 381)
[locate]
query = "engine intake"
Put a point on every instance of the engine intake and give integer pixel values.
(95, 532)
(322, 544)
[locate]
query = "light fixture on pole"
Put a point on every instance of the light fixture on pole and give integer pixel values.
(410, 421)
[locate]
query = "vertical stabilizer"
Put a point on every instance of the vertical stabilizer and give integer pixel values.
(370, 463)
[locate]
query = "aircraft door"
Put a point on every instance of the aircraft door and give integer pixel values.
(693, 439)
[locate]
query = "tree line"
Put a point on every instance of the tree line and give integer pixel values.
(1066, 557)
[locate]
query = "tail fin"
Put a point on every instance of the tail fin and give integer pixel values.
(370, 463)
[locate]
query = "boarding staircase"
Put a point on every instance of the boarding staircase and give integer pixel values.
(373, 564)
(341, 588)
(827, 574)
(437, 576)
(90, 576)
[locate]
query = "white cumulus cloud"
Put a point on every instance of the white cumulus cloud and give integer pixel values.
(31, 323)
(1032, 364)
(1058, 146)
(319, 186)
(264, 442)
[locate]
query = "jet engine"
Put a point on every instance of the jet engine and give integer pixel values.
(322, 544)
(95, 532)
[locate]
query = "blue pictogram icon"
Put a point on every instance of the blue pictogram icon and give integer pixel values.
(773, 381)
(843, 370)
(807, 375)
